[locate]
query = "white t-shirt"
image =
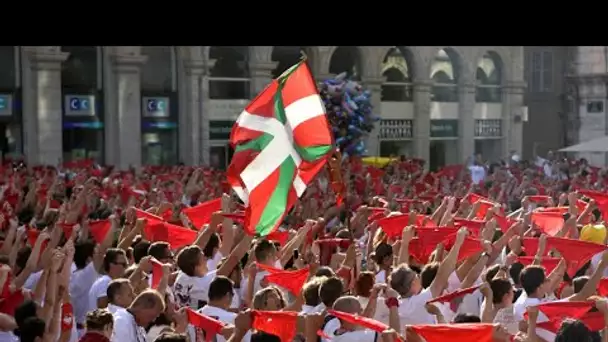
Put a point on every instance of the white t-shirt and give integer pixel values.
(213, 262)
(357, 336)
(98, 290)
(595, 262)
(192, 291)
(80, 284)
(411, 310)
(519, 309)
(126, 329)
(381, 277)
(478, 173)
(330, 329)
(32, 280)
(114, 308)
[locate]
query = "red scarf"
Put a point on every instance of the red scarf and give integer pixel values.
(93, 336)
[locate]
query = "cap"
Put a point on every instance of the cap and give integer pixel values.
(593, 233)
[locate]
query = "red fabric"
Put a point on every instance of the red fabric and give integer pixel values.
(474, 226)
(556, 312)
(210, 326)
(200, 215)
(602, 288)
(577, 253)
(343, 243)
(469, 247)
(446, 298)
(455, 332)
(393, 226)
(423, 246)
(93, 337)
(601, 200)
(530, 245)
(594, 321)
(503, 222)
(157, 273)
(147, 215)
(548, 222)
(279, 323)
(279, 236)
(539, 199)
(99, 229)
(67, 316)
(290, 280)
(176, 236)
(365, 322)
(547, 262)
(67, 229)
(236, 217)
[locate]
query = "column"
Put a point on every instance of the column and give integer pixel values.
(512, 107)
(374, 85)
(261, 75)
(42, 105)
(422, 122)
(190, 115)
(127, 87)
(204, 93)
(466, 122)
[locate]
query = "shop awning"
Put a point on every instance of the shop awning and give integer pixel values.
(595, 145)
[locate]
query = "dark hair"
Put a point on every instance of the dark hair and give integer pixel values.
(160, 250)
(99, 319)
(500, 288)
(171, 337)
(578, 283)
(140, 250)
(22, 256)
(532, 277)
(213, 243)
(365, 282)
(428, 273)
(114, 288)
(330, 290)
(310, 291)
(383, 251)
(515, 272)
(24, 311)
(260, 336)
(573, 330)
(219, 288)
(263, 250)
(325, 271)
(82, 252)
(466, 318)
(31, 328)
(111, 256)
(188, 258)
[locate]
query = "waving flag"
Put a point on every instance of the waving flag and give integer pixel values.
(281, 141)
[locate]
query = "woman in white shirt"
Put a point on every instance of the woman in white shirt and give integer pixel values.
(192, 283)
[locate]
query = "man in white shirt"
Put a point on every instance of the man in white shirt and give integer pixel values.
(120, 295)
(114, 265)
(220, 298)
(130, 324)
(87, 261)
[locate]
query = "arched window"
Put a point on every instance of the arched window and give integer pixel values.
(445, 75)
(229, 79)
(489, 78)
(396, 69)
(79, 72)
(287, 56)
(157, 74)
(346, 59)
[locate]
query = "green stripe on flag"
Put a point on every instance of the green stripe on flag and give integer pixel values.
(312, 153)
(279, 109)
(257, 144)
(275, 208)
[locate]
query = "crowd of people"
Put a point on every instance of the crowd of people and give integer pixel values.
(509, 251)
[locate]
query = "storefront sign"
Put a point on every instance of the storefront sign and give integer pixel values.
(488, 128)
(444, 129)
(396, 129)
(220, 129)
(6, 104)
(79, 105)
(155, 107)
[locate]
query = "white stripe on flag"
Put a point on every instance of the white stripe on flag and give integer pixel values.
(304, 109)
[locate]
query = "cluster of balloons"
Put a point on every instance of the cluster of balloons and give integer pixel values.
(349, 110)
